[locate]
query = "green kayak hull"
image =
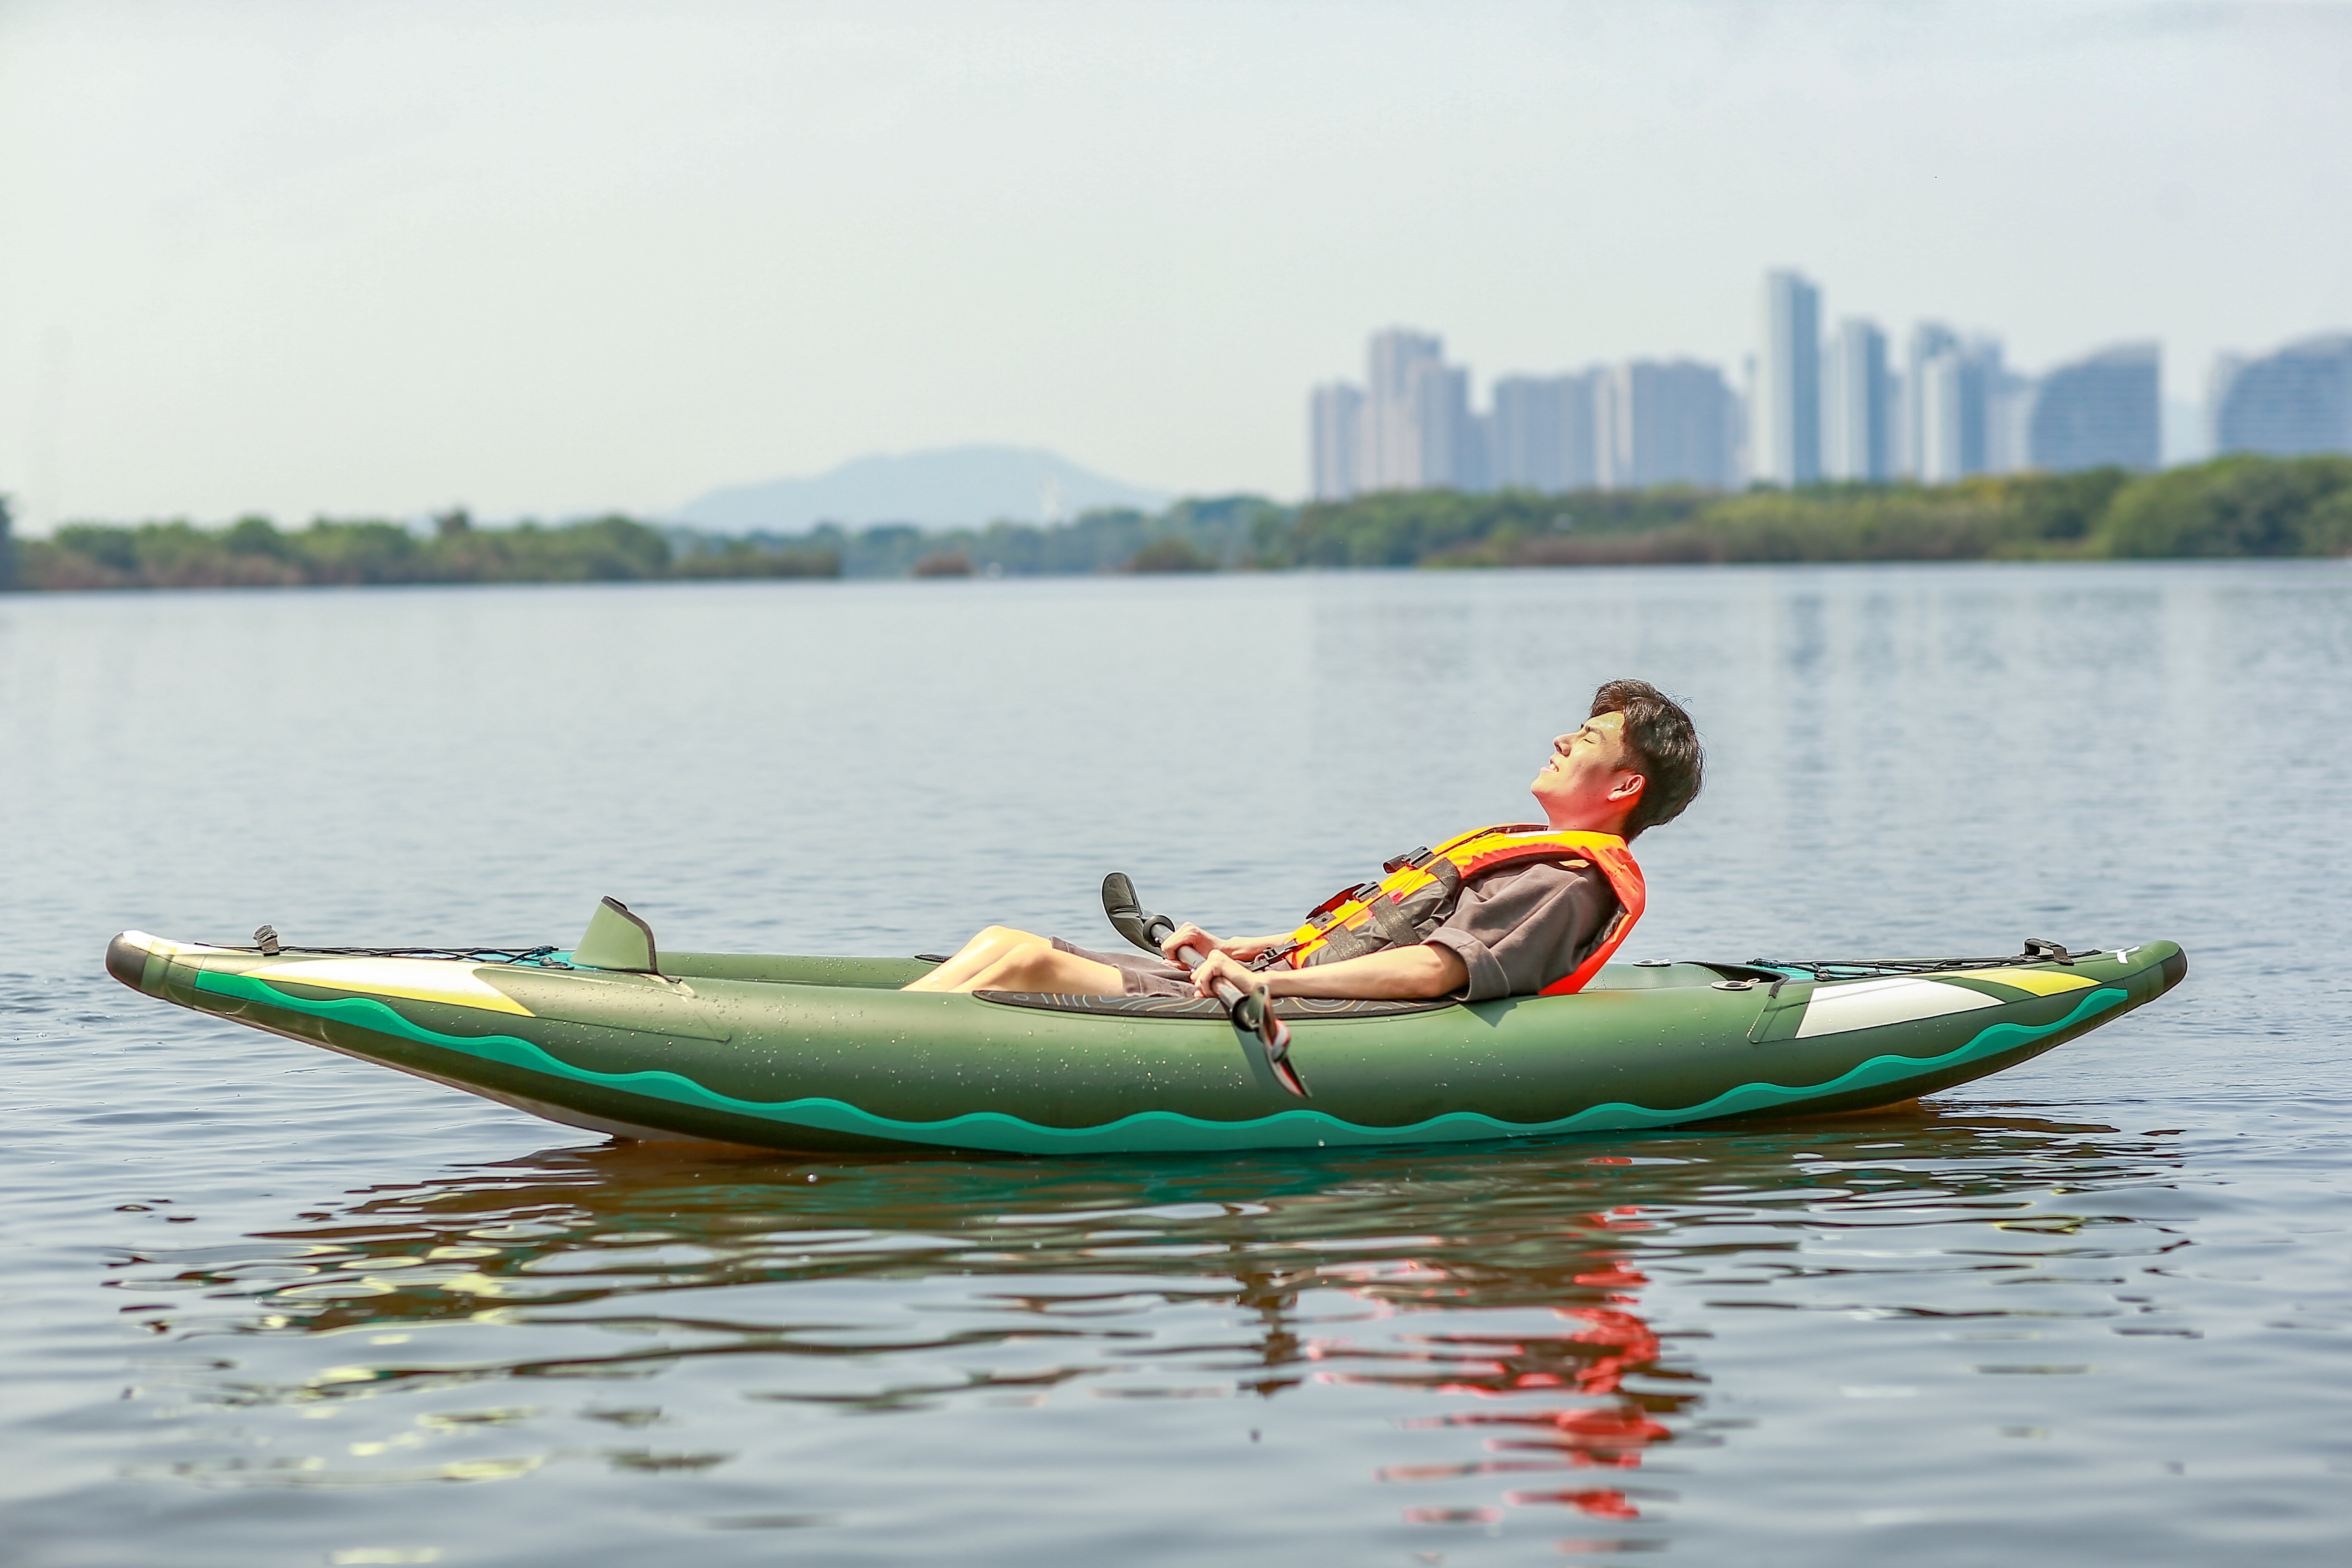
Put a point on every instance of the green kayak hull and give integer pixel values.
(825, 1055)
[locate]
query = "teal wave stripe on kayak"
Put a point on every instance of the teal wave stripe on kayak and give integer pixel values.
(1153, 1132)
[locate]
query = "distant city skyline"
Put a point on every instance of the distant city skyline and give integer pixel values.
(1820, 402)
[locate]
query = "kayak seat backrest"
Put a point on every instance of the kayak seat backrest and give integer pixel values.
(1289, 1007)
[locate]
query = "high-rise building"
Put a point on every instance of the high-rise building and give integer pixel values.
(1928, 340)
(1473, 456)
(1335, 429)
(1665, 424)
(1525, 434)
(2008, 403)
(1786, 441)
(1953, 413)
(2289, 404)
(1393, 457)
(1539, 434)
(1409, 427)
(1856, 401)
(1445, 452)
(1898, 424)
(1743, 445)
(1958, 397)
(1951, 417)
(1580, 451)
(2098, 412)
(2219, 375)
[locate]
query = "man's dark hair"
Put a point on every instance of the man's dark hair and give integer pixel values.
(1665, 746)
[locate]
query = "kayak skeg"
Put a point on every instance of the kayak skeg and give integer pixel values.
(827, 1055)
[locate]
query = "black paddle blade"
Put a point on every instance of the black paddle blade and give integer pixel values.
(1127, 917)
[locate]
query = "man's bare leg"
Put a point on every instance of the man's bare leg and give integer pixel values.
(1002, 959)
(974, 956)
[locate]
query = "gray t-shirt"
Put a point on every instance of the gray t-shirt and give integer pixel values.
(1517, 930)
(1524, 927)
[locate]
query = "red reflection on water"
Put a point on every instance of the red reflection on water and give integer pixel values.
(1599, 1502)
(1594, 1286)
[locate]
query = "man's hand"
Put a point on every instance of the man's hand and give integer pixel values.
(1192, 936)
(1398, 974)
(1222, 965)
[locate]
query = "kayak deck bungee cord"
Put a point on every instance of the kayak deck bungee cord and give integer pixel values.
(827, 1055)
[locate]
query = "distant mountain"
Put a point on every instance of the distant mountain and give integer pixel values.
(951, 486)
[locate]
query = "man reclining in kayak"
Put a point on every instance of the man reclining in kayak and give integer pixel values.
(1501, 912)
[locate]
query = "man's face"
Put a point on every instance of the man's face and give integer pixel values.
(1584, 782)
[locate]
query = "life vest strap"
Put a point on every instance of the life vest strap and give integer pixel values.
(1383, 915)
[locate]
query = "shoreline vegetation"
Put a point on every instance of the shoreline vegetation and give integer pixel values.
(2231, 507)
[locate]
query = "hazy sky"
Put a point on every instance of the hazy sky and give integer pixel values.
(379, 258)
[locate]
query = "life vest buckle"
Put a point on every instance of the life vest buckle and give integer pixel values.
(1360, 893)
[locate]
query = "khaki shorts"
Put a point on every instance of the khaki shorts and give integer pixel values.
(1142, 977)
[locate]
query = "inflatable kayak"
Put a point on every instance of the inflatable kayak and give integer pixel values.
(827, 1055)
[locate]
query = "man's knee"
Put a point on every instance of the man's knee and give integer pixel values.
(1046, 968)
(1032, 966)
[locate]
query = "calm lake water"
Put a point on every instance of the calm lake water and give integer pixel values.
(263, 1305)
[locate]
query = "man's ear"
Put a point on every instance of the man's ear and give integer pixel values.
(1627, 789)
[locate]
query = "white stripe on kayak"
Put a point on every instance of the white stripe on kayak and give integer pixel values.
(1868, 1004)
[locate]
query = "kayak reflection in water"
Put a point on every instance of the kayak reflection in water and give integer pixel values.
(1499, 913)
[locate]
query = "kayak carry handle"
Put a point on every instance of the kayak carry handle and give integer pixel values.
(1251, 1010)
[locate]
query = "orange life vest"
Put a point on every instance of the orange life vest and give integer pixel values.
(1412, 900)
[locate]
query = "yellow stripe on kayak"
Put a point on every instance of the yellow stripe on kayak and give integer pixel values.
(412, 979)
(2041, 982)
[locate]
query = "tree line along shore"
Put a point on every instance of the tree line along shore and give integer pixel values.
(2231, 507)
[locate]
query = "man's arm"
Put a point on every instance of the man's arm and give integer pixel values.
(1393, 974)
(1190, 935)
